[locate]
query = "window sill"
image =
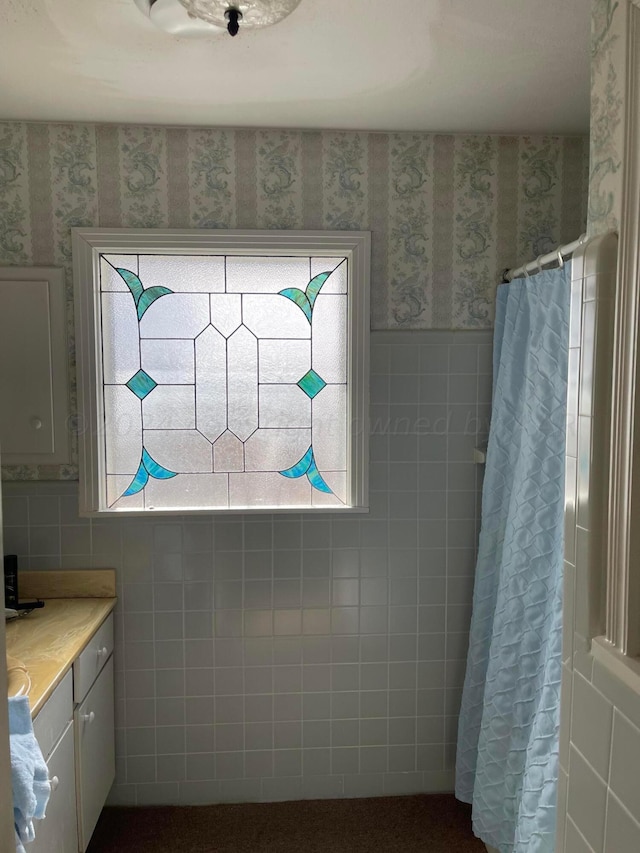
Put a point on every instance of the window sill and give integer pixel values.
(625, 668)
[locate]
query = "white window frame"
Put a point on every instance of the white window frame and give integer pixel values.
(90, 243)
(619, 647)
(623, 587)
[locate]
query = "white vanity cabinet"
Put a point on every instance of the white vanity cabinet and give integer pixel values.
(95, 753)
(75, 731)
(53, 728)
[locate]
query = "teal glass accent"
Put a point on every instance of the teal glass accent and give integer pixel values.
(307, 466)
(314, 477)
(138, 483)
(148, 468)
(314, 286)
(300, 467)
(299, 298)
(132, 281)
(142, 298)
(306, 300)
(149, 296)
(141, 384)
(155, 469)
(311, 383)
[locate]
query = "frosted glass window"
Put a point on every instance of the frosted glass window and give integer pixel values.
(222, 370)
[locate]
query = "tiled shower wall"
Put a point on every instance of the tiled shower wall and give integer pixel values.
(276, 657)
(599, 796)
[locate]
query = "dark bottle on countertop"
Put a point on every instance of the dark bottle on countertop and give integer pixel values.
(11, 587)
(11, 581)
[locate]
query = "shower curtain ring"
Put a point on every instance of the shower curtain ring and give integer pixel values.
(539, 263)
(560, 259)
(525, 272)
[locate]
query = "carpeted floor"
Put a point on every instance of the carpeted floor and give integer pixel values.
(420, 824)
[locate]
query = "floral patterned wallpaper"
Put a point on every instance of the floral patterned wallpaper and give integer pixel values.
(607, 98)
(447, 213)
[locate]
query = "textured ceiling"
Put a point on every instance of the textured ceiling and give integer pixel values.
(509, 66)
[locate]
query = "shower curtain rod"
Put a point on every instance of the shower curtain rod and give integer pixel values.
(558, 255)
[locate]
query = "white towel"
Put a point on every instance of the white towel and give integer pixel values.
(29, 774)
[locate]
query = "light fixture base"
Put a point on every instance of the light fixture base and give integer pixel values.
(233, 16)
(252, 13)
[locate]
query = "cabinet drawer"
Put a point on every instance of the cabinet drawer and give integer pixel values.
(58, 832)
(95, 752)
(54, 716)
(92, 659)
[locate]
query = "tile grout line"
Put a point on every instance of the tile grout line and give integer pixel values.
(577, 829)
(388, 404)
(446, 565)
(418, 577)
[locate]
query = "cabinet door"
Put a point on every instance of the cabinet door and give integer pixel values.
(58, 832)
(95, 752)
(33, 366)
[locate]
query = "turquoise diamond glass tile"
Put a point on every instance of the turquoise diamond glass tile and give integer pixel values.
(311, 384)
(141, 384)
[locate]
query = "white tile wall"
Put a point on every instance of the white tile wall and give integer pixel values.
(277, 657)
(625, 764)
(596, 716)
(600, 725)
(575, 841)
(587, 800)
(622, 829)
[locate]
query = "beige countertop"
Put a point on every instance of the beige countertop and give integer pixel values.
(47, 641)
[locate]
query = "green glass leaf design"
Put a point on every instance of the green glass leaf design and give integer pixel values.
(133, 283)
(299, 298)
(314, 286)
(149, 296)
(307, 466)
(141, 297)
(306, 300)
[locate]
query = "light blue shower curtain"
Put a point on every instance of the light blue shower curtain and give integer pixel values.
(507, 759)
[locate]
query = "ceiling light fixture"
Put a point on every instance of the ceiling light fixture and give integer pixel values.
(250, 13)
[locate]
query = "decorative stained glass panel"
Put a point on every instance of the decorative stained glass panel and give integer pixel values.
(225, 381)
